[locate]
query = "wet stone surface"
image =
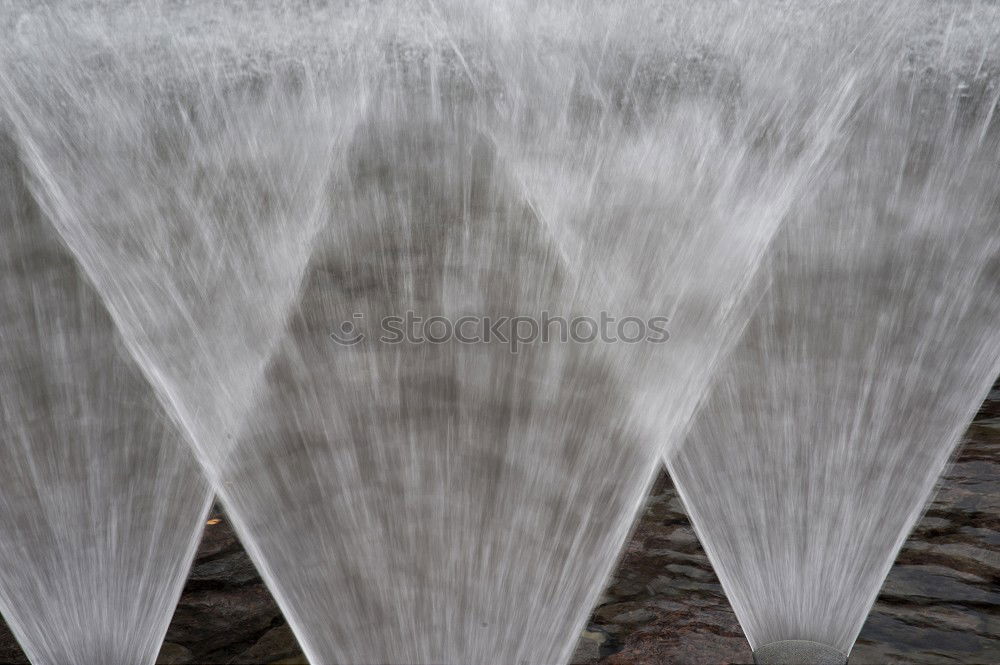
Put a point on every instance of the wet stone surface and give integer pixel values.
(940, 603)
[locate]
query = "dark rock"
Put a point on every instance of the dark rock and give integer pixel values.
(276, 644)
(933, 584)
(660, 645)
(218, 537)
(10, 650)
(173, 654)
(908, 640)
(223, 619)
(233, 569)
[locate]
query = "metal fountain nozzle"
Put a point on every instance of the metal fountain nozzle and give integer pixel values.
(798, 652)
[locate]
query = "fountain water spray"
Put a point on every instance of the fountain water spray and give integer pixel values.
(102, 501)
(237, 195)
(824, 433)
(188, 188)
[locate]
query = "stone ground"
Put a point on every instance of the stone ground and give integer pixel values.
(940, 603)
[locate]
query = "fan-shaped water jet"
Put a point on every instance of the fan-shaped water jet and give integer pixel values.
(101, 500)
(823, 435)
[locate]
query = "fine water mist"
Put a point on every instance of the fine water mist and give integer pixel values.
(824, 433)
(102, 501)
(245, 184)
(191, 198)
(467, 500)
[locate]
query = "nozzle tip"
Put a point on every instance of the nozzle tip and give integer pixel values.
(798, 652)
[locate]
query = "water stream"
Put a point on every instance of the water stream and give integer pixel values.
(241, 182)
(824, 434)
